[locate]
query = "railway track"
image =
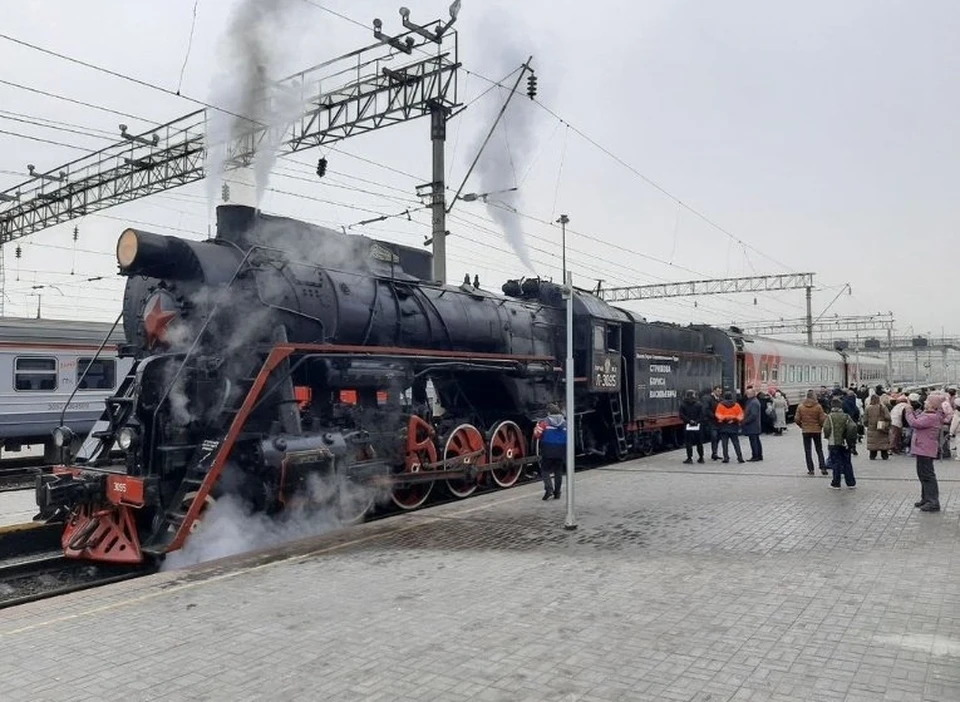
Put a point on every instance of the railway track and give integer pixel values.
(51, 574)
(19, 473)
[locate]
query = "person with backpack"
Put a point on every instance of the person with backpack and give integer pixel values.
(840, 430)
(552, 434)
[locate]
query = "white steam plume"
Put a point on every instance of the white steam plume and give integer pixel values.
(509, 150)
(246, 91)
(231, 528)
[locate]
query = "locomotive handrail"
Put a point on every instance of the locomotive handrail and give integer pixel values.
(63, 412)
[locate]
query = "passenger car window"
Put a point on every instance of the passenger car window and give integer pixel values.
(101, 376)
(35, 374)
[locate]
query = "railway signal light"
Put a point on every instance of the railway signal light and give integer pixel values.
(321, 167)
(532, 86)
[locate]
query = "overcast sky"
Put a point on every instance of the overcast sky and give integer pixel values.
(821, 135)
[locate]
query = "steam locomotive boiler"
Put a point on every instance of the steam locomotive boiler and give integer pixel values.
(294, 365)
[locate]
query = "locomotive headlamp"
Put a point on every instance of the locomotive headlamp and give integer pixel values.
(127, 247)
(62, 436)
(127, 438)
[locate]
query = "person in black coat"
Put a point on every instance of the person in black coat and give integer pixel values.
(710, 426)
(691, 413)
(751, 425)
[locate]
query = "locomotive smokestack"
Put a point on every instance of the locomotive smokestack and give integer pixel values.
(155, 256)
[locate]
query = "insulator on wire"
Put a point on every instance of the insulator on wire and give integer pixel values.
(321, 167)
(19, 251)
(76, 233)
(532, 86)
(225, 191)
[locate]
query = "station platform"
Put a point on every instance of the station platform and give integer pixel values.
(713, 582)
(17, 507)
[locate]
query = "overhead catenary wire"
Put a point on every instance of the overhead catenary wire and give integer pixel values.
(186, 57)
(73, 101)
(599, 146)
(493, 84)
(576, 130)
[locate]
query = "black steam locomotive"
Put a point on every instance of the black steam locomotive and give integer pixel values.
(294, 365)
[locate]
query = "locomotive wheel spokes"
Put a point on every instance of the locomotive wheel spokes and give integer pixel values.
(420, 450)
(413, 495)
(506, 443)
(465, 439)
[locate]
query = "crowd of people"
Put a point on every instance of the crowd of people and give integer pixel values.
(721, 419)
(924, 425)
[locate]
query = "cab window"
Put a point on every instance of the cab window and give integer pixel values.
(599, 338)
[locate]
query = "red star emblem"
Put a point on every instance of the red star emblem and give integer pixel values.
(156, 320)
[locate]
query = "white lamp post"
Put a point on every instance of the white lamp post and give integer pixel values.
(571, 520)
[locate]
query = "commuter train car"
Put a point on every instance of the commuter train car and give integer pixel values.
(863, 369)
(789, 367)
(42, 362)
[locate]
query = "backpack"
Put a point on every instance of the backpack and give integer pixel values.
(850, 430)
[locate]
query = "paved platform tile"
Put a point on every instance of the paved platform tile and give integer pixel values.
(681, 583)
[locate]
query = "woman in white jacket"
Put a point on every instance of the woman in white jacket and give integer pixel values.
(780, 407)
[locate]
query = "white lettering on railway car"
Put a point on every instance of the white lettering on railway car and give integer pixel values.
(658, 381)
(119, 487)
(73, 405)
(661, 394)
(652, 357)
(606, 380)
(656, 368)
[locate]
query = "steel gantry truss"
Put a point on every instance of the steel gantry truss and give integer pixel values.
(829, 324)
(715, 286)
(719, 286)
(378, 87)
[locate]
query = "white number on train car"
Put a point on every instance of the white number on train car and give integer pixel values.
(606, 380)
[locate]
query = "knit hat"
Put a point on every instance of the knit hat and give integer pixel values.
(914, 397)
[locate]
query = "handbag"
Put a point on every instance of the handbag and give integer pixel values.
(881, 425)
